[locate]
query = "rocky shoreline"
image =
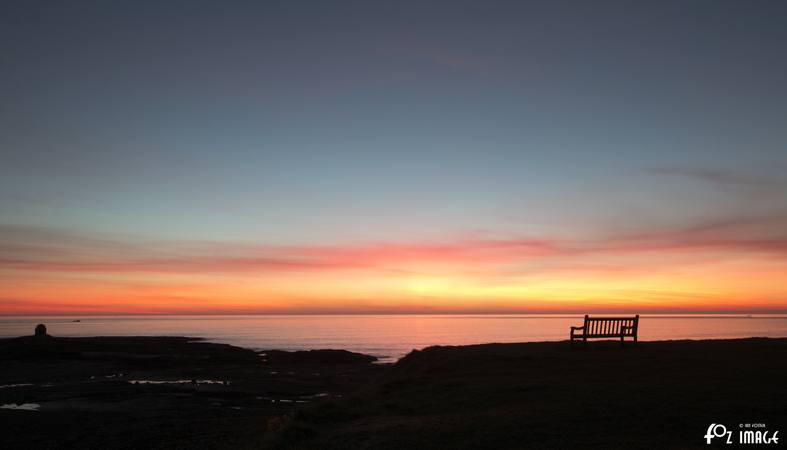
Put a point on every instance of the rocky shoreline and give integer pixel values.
(182, 392)
(160, 392)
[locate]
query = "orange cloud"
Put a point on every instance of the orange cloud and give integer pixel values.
(718, 265)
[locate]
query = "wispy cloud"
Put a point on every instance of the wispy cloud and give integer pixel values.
(52, 250)
(723, 264)
(722, 177)
(438, 56)
(23, 248)
(756, 234)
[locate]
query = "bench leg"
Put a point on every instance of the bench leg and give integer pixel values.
(622, 342)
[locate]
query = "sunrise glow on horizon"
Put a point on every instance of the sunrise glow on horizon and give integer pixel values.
(700, 269)
(346, 159)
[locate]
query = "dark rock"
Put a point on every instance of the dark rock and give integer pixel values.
(40, 330)
(323, 357)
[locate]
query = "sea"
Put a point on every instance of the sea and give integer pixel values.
(388, 337)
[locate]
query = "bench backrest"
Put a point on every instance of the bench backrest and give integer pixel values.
(611, 326)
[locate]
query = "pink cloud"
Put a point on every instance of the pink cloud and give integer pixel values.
(51, 250)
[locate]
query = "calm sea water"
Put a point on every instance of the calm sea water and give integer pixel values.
(388, 337)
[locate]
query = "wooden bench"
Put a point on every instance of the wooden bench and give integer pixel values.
(606, 327)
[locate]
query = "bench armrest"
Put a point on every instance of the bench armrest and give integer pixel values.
(578, 328)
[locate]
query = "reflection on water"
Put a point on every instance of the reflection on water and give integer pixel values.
(225, 383)
(23, 406)
(4, 386)
(387, 336)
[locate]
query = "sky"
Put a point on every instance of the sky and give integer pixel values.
(392, 157)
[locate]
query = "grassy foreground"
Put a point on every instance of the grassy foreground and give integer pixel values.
(545, 395)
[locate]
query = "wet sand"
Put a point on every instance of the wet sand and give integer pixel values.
(533, 395)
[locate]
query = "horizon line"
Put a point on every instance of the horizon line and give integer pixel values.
(447, 313)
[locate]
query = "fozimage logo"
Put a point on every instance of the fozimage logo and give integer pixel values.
(748, 433)
(717, 430)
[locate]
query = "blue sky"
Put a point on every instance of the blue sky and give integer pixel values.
(250, 119)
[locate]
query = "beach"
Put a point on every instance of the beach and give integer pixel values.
(180, 392)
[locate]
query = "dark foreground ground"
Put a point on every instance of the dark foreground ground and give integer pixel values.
(537, 395)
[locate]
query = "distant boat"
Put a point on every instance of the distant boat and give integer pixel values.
(76, 320)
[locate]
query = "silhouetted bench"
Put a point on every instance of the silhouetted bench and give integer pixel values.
(606, 327)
